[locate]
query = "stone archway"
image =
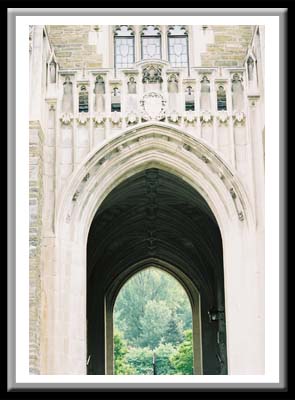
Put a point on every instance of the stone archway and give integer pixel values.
(154, 215)
(174, 151)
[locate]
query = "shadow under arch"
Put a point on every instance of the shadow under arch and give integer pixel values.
(170, 222)
(187, 285)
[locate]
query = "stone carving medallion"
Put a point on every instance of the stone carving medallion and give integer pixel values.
(153, 106)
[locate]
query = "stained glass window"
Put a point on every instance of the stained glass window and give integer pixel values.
(124, 47)
(151, 43)
(178, 46)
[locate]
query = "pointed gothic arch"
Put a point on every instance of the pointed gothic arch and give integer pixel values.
(191, 160)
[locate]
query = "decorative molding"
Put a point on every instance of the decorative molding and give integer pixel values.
(116, 118)
(131, 118)
(99, 119)
(82, 118)
(222, 116)
(239, 117)
(152, 74)
(66, 118)
(206, 117)
(190, 117)
(75, 196)
(174, 117)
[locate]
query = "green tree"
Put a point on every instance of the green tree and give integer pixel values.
(148, 285)
(120, 350)
(164, 353)
(173, 333)
(183, 359)
(154, 323)
(140, 360)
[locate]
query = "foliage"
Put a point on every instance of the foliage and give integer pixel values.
(130, 309)
(154, 323)
(173, 333)
(183, 359)
(150, 315)
(141, 360)
(120, 350)
(164, 354)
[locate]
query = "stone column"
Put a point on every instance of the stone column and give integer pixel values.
(244, 323)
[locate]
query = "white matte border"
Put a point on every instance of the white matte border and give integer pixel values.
(271, 24)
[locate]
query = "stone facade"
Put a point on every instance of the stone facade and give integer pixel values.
(71, 45)
(36, 206)
(229, 47)
(93, 125)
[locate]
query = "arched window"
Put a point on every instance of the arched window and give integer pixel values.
(151, 43)
(178, 46)
(124, 47)
(189, 99)
(116, 100)
(83, 99)
(221, 98)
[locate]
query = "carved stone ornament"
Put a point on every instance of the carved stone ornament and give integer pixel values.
(132, 118)
(222, 116)
(239, 116)
(206, 116)
(232, 193)
(153, 106)
(241, 216)
(116, 118)
(75, 196)
(174, 117)
(82, 119)
(205, 159)
(152, 74)
(66, 118)
(99, 119)
(190, 117)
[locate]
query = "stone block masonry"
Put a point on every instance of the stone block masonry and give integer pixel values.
(229, 47)
(71, 46)
(35, 227)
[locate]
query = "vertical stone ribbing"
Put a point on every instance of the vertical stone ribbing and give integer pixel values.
(35, 227)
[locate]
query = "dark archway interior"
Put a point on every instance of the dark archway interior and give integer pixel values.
(156, 214)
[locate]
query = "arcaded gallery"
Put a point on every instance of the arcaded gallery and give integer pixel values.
(146, 150)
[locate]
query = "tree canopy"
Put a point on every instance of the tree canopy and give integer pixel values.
(152, 314)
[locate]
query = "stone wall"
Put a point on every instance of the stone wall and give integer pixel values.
(35, 201)
(71, 46)
(230, 46)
